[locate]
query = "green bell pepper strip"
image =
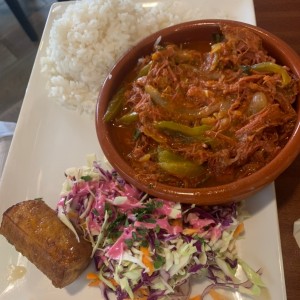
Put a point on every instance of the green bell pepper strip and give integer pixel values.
(144, 70)
(177, 165)
(274, 68)
(114, 106)
(182, 129)
(129, 118)
(155, 96)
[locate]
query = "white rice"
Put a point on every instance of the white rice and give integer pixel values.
(89, 37)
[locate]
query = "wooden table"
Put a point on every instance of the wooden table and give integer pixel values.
(282, 17)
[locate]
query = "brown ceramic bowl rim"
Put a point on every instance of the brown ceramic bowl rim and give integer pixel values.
(234, 191)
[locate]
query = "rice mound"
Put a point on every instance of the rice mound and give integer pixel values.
(90, 36)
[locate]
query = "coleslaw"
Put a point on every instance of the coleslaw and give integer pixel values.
(149, 248)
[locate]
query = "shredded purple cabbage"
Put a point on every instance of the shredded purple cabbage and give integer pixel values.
(136, 220)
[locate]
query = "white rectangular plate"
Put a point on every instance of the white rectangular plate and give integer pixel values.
(49, 138)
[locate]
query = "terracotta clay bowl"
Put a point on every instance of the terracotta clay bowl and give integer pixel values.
(235, 191)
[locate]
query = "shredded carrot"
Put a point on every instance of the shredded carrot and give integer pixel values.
(197, 297)
(95, 282)
(113, 282)
(94, 279)
(143, 291)
(217, 296)
(141, 294)
(91, 276)
(176, 222)
(190, 231)
(146, 259)
(239, 230)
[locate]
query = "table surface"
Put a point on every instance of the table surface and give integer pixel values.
(282, 17)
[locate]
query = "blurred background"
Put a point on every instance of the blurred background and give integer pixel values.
(17, 53)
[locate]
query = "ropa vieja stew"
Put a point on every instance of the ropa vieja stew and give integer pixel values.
(193, 117)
